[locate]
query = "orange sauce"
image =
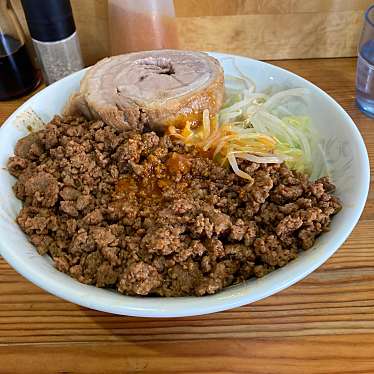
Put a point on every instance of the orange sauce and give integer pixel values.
(127, 184)
(178, 164)
(205, 154)
(181, 125)
(180, 121)
(153, 187)
(149, 188)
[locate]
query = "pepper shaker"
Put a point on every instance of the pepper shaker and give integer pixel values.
(54, 37)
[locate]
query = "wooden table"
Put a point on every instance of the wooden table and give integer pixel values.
(323, 324)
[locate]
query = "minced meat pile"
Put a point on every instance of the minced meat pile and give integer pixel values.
(143, 214)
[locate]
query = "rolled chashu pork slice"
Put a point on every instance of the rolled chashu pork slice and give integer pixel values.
(161, 88)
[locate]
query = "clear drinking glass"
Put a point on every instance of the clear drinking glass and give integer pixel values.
(365, 66)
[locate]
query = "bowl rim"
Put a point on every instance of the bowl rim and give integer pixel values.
(190, 305)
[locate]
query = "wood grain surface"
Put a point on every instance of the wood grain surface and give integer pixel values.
(262, 29)
(323, 324)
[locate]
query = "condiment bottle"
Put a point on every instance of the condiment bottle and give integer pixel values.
(54, 36)
(140, 25)
(18, 76)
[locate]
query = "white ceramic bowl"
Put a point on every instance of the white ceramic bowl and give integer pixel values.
(346, 154)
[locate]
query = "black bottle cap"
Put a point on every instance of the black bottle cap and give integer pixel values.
(49, 20)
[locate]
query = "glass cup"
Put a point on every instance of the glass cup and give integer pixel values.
(365, 66)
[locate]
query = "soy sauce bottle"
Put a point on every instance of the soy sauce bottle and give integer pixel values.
(18, 76)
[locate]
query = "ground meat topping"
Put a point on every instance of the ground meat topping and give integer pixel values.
(146, 215)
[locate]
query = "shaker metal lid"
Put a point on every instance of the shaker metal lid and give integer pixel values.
(49, 20)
